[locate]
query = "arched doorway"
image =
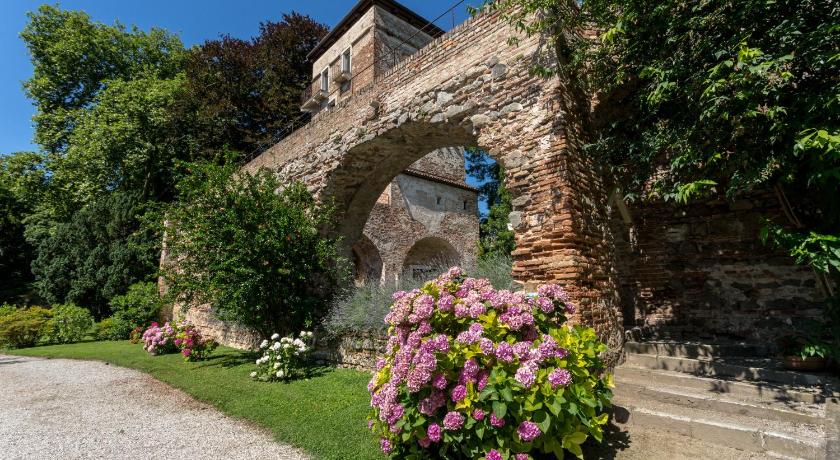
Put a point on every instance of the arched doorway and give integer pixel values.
(429, 257)
(367, 263)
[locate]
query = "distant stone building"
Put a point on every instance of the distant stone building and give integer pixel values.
(427, 216)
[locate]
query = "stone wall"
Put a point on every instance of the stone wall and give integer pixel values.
(700, 271)
(353, 351)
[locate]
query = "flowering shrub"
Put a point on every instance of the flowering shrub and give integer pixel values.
(473, 372)
(193, 346)
(136, 335)
(282, 358)
(159, 340)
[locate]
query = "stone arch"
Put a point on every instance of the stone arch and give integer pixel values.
(367, 168)
(429, 256)
(367, 262)
(465, 89)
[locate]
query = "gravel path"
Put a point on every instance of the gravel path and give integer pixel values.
(66, 409)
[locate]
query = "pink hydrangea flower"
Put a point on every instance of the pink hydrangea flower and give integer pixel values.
(478, 414)
(504, 352)
(434, 432)
(559, 377)
(439, 381)
(526, 375)
(493, 455)
(522, 456)
(453, 421)
(528, 431)
(459, 393)
(385, 444)
(496, 421)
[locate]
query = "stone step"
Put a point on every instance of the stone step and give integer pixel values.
(737, 431)
(780, 411)
(753, 390)
(744, 369)
(697, 349)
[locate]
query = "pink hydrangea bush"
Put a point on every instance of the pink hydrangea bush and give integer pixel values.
(193, 346)
(158, 340)
(474, 372)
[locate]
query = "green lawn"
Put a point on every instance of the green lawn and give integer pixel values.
(324, 415)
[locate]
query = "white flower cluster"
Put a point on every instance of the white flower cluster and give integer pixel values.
(282, 357)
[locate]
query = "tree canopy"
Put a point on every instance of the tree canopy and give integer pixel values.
(117, 108)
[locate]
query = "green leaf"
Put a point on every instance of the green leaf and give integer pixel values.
(499, 408)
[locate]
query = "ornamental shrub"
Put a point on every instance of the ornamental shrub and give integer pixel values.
(256, 250)
(68, 324)
(112, 329)
(159, 340)
(138, 307)
(474, 372)
(192, 344)
(7, 309)
(23, 327)
(283, 359)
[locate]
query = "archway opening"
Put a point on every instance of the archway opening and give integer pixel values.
(428, 257)
(367, 263)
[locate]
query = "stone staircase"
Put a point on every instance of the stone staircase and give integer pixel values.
(728, 394)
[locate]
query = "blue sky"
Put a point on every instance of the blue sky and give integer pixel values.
(195, 21)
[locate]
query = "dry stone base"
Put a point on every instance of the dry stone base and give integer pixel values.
(353, 351)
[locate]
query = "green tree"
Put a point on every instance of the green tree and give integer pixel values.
(98, 254)
(74, 59)
(22, 184)
(714, 97)
(128, 140)
(496, 239)
(252, 248)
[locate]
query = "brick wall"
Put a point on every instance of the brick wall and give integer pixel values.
(700, 271)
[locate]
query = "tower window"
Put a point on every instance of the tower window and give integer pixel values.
(345, 60)
(325, 79)
(438, 200)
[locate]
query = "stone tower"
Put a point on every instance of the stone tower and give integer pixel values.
(427, 216)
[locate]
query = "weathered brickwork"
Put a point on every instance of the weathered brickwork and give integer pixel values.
(468, 88)
(700, 271)
(416, 224)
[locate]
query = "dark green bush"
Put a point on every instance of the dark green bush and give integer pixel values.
(113, 329)
(68, 324)
(138, 307)
(24, 327)
(253, 248)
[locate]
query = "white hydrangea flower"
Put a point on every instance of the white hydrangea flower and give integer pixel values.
(254, 374)
(279, 374)
(286, 340)
(276, 346)
(258, 362)
(286, 346)
(275, 336)
(277, 365)
(299, 343)
(264, 344)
